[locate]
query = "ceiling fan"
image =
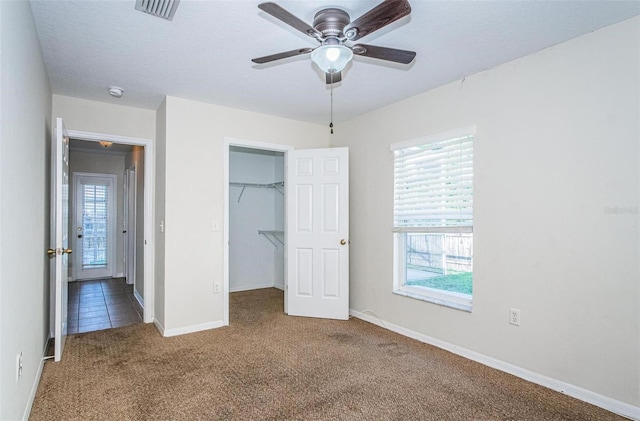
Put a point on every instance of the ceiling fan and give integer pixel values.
(333, 29)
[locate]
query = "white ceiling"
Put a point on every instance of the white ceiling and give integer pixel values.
(205, 53)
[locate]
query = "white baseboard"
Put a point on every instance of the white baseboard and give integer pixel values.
(158, 326)
(615, 406)
(279, 286)
(36, 382)
(138, 298)
(119, 275)
(188, 329)
(250, 287)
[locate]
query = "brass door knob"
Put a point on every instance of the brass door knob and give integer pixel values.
(51, 252)
(68, 251)
(343, 241)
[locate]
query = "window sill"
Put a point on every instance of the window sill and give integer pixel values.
(439, 301)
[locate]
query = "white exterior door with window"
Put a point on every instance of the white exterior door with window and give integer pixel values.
(95, 213)
(318, 233)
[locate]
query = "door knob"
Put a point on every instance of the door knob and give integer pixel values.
(68, 251)
(79, 235)
(343, 241)
(51, 252)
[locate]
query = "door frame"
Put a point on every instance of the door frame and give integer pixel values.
(149, 213)
(113, 212)
(227, 144)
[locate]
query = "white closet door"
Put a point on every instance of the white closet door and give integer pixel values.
(318, 233)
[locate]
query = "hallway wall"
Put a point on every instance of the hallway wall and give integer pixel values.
(25, 139)
(101, 117)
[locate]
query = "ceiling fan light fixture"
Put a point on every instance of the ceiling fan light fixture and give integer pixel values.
(332, 58)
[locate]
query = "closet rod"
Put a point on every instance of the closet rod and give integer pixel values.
(276, 186)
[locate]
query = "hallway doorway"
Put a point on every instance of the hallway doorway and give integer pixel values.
(141, 172)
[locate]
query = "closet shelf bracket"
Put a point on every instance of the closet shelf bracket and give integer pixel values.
(241, 193)
(273, 237)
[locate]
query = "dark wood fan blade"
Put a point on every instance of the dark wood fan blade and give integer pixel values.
(333, 77)
(280, 56)
(384, 53)
(280, 13)
(380, 16)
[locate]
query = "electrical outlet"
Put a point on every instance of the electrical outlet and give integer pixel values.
(514, 316)
(216, 287)
(18, 365)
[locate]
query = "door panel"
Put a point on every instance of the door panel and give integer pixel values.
(330, 208)
(305, 272)
(60, 205)
(330, 273)
(318, 232)
(304, 209)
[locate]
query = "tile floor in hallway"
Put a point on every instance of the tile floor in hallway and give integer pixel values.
(101, 304)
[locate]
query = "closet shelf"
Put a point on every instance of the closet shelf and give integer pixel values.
(273, 235)
(278, 186)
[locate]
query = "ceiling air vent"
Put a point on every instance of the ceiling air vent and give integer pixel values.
(164, 9)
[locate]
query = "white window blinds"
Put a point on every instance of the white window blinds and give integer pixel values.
(95, 224)
(433, 183)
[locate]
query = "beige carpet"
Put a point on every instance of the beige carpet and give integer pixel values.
(266, 365)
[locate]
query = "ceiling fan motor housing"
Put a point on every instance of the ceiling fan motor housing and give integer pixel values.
(331, 22)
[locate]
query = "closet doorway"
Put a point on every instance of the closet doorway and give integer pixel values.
(255, 215)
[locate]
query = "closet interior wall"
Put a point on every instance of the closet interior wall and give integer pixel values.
(255, 260)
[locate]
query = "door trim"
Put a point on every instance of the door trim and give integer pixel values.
(149, 212)
(228, 142)
(113, 210)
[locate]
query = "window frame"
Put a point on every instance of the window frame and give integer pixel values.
(450, 299)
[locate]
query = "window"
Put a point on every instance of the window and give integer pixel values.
(433, 218)
(95, 226)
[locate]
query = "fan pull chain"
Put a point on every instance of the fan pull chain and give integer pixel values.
(331, 122)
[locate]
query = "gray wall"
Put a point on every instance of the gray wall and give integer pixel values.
(25, 136)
